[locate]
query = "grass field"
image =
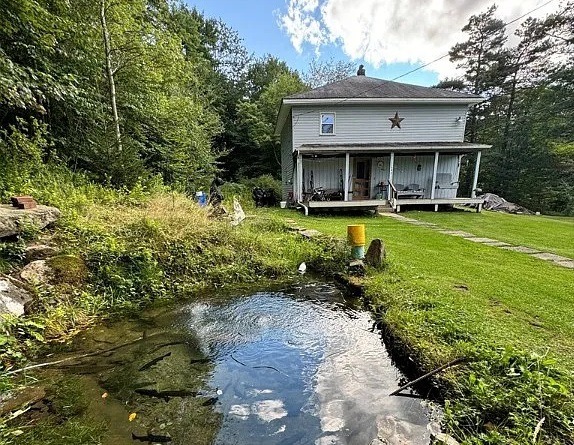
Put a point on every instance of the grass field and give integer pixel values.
(446, 297)
(546, 233)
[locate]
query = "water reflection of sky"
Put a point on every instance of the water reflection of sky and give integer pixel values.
(302, 367)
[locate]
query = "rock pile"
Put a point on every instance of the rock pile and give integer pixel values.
(23, 215)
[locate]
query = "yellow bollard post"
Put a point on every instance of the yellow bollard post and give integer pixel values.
(356, 238)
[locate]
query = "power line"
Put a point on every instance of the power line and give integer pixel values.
(423, 66)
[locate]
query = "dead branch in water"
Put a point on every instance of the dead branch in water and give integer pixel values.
(75, 357)
(430, 374)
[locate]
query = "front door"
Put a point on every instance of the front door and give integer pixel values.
(362, 179)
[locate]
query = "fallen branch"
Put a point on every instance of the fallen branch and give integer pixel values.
(19, 412)
(237, 361)
(429, 374)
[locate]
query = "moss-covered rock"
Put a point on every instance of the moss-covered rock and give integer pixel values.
(67, 269)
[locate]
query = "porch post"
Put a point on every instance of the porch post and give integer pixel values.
(299, 177)
(433, 185)
(391, 167)
(475, 180)
(346, 183)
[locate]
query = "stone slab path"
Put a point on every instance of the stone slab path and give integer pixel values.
(545, 256)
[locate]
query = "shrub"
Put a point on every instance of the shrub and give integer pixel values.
(21, 149)
(244, 188)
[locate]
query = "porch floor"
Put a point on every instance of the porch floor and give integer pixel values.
(439, 201)
(346, 204)
(398, 203)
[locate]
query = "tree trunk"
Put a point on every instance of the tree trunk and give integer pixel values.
(110, 74)
(511, 174)
(509, 110)
(476, 90)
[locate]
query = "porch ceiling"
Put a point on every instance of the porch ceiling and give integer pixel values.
(395, 147)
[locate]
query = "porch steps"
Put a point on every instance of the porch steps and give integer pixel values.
(385, 209)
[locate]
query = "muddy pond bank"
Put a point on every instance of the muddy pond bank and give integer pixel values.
(295, 365)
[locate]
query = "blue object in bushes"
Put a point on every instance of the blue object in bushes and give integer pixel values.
(201, 198)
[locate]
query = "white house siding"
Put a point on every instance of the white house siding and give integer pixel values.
(370, 124)
(287, 160)
(405, 172)
(449, 167)
(326, 172)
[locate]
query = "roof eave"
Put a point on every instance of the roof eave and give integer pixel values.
(282, 117)
(463, 147)
(383, 100)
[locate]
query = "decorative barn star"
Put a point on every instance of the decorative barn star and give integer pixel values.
(396, 121)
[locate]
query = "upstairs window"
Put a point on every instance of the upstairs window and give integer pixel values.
(327, 123)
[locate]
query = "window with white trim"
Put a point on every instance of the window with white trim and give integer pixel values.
(327, 123)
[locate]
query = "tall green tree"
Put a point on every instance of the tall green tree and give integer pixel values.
(481, 56)
(522, 69)
(529, 102)
(123, 90)
(255, 150)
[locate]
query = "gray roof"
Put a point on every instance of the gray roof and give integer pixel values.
(371, 88)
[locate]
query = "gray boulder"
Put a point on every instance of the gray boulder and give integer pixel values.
(13, 299)
(499, 204)
(445, 439)
(37, 272)
(13, 221)
(39, 252)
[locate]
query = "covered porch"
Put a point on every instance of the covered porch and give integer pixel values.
(394, 175)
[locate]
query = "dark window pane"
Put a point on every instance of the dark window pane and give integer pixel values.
(327, 128)
(360, 169)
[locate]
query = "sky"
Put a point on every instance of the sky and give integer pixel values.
(390, 37)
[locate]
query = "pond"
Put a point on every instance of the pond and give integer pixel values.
(302, 365)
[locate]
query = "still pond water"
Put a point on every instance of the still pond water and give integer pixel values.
(297, 366)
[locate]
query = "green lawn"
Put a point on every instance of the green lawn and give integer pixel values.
(446, 297)
(546, 233)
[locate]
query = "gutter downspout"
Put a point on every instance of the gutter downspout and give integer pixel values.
(305, 208)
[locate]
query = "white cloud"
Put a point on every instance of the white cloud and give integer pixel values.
(391, 31)
(302, 25)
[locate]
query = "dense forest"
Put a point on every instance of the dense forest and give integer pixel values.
(144, 91)
(528, 82)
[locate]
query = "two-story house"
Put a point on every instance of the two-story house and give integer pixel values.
(366, 142)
